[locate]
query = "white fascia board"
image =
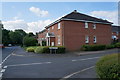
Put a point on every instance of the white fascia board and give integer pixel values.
(85, 21)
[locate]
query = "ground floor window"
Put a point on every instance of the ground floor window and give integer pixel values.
(95, 39)
(86, 39)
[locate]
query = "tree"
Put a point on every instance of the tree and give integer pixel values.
(22, 32)
(29, 41)
(31, 34)
(5, 37)
(15, 37)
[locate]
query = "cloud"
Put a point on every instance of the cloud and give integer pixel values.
(111, 16)
(39, 12)
(15, 24)
(26, 26)
(38, 26)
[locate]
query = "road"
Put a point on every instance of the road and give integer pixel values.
(21, 64)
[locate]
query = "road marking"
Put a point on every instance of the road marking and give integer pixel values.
(3, 70)
(85, 59)
(70, 75)
(5, 67)
(29, 64)
(1, 75)
(8, 56)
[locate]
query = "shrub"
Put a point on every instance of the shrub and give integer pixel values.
(108, 67)
(30, 49)
(29, 41)
(45, 49)
(39, 50)
(117, 45)
(61, 49)
(93, 47)
(110, 46)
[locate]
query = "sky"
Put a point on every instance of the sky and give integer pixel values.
(34, 16)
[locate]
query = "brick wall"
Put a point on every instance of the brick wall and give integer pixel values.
(75, 32)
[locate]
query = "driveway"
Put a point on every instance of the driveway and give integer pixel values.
(21, 64)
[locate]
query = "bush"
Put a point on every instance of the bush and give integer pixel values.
(117, 45)
(30, 49)
(92, 47)
(39, 50)
(108, 67)
(45, 49)
(61, 49)
(29, 41)
(110, 46)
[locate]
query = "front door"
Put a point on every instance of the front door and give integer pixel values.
(52, 44)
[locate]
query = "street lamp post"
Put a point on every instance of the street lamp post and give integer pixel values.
(1, 26)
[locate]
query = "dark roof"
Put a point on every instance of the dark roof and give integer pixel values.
(115, 28)
(79, 16)
(42, 31)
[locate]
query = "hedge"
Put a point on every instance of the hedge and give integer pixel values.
(117, 45)
(110, 46)
(93, 47)
(109, 67)
(45, 49)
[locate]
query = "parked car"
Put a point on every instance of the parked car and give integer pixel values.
(9, 45)
(2, 46)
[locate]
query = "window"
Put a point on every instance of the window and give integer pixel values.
(86, 39)
(94, 26)
(95, 40)
(58, 39)
(52, 27)
(86, 25)
(58, 25)
(48, 29)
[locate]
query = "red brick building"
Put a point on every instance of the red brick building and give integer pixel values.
(76, 29)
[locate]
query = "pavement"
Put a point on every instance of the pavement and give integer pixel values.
(21, 64)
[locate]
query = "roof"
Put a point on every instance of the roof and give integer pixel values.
(42, 31)
(115, 28)
(80, 17)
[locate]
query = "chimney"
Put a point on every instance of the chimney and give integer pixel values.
(75, 11)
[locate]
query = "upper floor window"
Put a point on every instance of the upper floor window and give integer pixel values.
(95, 39)
(52, 27)
(86, 39)
(48, 29)
(94, 26)
(58, 25)
(86, 24)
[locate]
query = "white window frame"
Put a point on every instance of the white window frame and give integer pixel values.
(86, 24)
(95, 39)
(94, 26)
(87, 39)
(58, 39)
(59, 25)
